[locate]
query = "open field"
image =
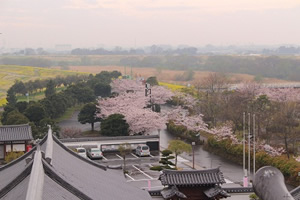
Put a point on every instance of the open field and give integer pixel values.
(165, 75)
(10, 73)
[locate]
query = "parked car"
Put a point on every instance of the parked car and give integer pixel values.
(81, 151)
(142, 150)
(94, 153)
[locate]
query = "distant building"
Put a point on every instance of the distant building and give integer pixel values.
(52, 171)
(14, 138)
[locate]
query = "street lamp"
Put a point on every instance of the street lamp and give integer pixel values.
(193, 148)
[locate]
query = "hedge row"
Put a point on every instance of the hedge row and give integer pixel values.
(182, 132)
(234, 152)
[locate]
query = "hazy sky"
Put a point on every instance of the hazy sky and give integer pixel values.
(91, 23)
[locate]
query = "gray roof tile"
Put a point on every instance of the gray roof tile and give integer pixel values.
(15, 132)
(192, 177)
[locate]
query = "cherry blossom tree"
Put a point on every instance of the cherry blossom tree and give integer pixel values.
(132, 103)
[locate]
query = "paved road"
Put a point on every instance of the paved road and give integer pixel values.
(73, 123)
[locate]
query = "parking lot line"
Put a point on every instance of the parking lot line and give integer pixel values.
(130, 177)
(150, 165)
(119, 156)
(151, 155)
(104, 158)
(142, 171)
(134, 155)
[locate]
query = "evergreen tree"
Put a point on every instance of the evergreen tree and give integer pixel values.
(115, 125)
(88, 115)
(50, 88)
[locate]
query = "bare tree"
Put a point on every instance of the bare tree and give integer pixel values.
(124, 149)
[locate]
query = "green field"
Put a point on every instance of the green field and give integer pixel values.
(10, 73)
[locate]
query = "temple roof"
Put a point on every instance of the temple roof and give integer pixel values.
(15, 133)
(52, 171)
(192, 177)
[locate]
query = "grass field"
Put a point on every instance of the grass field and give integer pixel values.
(10, 73)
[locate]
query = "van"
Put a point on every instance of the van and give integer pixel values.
(142, 150)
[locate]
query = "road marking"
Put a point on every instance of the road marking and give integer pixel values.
(104, 158)
(129, 177)
(119, 156)
(152, 187)
(150, 165)
(142, 171)
(134, 155)
(138, 180)
(151, 155)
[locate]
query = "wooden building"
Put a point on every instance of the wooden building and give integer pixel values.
(193, 184)
(14, 138)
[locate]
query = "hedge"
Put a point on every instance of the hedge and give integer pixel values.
(234, 152)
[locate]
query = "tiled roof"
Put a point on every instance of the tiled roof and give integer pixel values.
(296, 193)
(172, 191)
(15, 133)
(215, 191)
(62, 174)
(192, 177)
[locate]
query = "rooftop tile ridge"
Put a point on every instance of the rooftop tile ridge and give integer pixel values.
(12, 126)
(49, 146)
(50, 172)
(16, 181)
(36, 181)
(213, 170)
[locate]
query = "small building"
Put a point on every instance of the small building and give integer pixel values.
(14, 138)
(193, 184)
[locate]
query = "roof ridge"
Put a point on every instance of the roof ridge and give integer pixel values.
(170, 171)
(63, 183)
(17, 125)
(36, 181)
(78, 156)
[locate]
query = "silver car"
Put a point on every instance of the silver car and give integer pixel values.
(94, 153)
(142, 150)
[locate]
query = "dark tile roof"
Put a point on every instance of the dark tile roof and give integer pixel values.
(296, 193)
(192, 177)
(62, 174)
(11, 170)
(216, 191)
(172, 191)
(15, 133)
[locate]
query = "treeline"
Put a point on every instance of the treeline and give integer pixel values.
(41, 113)
(37, 85)
(287, 68)
(153, 50)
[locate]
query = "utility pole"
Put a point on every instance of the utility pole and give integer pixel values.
(193, 147)
(253, 144)
(249, 148)
(244, 151)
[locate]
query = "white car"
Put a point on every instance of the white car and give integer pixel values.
(142, 150)
(81, 151)
(94, 153)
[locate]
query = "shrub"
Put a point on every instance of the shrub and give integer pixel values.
(13, 155)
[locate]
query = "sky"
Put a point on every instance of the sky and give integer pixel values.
(137, 23)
